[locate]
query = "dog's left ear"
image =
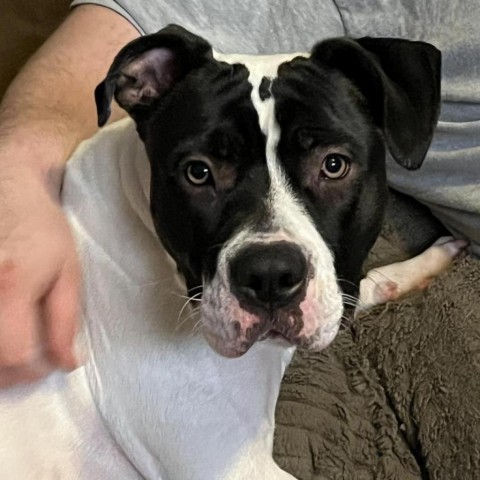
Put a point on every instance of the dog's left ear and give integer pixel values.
(148, 67)
(400, 80)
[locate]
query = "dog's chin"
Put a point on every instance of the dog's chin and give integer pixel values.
(237, 348)
(230, 349)
(232, 330)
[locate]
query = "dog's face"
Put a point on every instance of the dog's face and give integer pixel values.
(268, 173)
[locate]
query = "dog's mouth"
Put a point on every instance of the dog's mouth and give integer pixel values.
(276, 291)
(231, 331)
(238, 348)
(275, 335)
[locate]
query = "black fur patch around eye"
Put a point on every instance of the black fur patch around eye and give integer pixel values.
(264, 88)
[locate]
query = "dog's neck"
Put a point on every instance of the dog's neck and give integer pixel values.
(157, 384)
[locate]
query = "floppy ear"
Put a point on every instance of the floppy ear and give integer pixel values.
(400, 80)
(148, 67)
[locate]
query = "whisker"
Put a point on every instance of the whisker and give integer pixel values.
(345, 322)
(374, 270)
(215, 246)
(187, 318)
(198, 325)
(179, 325)
(193, 313)
(193, 297)
(182, 309)
(159, 282)
(343, 280)
(190, 299)
(346, 295)
(352, 300)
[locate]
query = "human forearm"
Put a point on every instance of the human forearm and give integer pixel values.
(46, 112)
(49, 107)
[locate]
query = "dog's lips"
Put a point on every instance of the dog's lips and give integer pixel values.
(238, 348)
(232, 330)
(278, 337)
(273, 334)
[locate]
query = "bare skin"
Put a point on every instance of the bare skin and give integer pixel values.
(47, 111)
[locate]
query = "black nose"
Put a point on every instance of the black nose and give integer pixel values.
(268, 275)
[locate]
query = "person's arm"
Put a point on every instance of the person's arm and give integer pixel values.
(46, 112)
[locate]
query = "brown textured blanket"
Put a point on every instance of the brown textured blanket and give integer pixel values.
(397, 396)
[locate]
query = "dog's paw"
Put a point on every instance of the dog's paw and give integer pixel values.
(373, 292)
(385, 292)
(393, 281)
(445, 249)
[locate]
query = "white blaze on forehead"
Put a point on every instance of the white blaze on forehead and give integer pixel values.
(260, 66)
(322, 307)
(286, 211)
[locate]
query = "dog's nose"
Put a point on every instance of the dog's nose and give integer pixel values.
(268, 275)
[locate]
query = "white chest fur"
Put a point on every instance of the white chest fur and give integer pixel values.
(172, 408)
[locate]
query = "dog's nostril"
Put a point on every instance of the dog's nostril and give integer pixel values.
(255, 282)
(268, 275)
(287, 280)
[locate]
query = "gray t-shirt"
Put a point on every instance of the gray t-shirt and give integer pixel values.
(449, 179)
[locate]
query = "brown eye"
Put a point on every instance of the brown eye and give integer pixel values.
(335, 166)
(198, 173)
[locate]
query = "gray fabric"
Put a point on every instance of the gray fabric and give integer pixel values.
(247, 26)
(448, 181)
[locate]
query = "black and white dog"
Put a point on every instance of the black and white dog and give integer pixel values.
(265, 179)
(268, 173)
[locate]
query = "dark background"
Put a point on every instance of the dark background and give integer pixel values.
(24, 26)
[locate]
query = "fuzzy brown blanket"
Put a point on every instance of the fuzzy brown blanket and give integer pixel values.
(397, 396)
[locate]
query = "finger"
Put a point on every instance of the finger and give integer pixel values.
(61, 308)
(19, 341)
(10, 376)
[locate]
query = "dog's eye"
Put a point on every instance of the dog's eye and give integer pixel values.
(335, 166)
(198, 173)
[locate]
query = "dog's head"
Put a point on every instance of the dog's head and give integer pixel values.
(268, 173)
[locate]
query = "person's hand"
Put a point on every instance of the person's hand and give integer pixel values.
(40, 127)
(39, 280)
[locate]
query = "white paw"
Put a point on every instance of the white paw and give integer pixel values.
(398, 279)
(446, 248)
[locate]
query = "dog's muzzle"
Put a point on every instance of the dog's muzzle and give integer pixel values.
(271, 289)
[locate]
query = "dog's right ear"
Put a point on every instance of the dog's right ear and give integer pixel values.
(400, 80)
(148, 67)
